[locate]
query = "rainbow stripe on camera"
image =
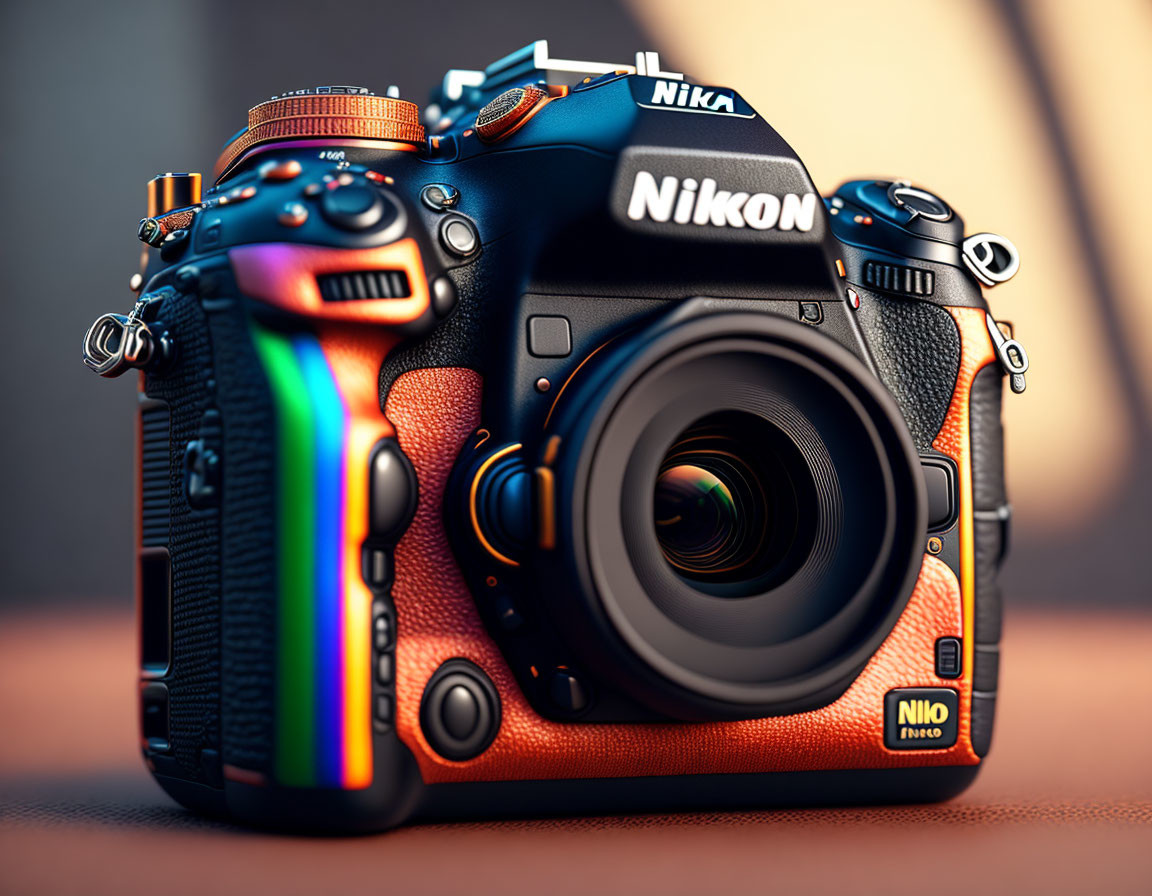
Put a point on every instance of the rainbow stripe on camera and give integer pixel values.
(322, 729)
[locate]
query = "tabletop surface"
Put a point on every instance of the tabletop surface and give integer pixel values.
(1064, 802)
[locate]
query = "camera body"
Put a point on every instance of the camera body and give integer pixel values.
(573, 455)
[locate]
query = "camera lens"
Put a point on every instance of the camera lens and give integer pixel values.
(739, 515)
(730, 504)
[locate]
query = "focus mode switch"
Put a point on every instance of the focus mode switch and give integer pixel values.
(948, 658)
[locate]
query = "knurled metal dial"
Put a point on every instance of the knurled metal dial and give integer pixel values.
(363, 117)
(505, 113)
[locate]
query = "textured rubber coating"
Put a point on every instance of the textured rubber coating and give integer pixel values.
(916, 347)
(434, 411)
(193, 540)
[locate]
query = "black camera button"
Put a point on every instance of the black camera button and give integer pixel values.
(385, 669)
(377, 568)
(382, 632)
(460, 711)
(949, 658)
(811, 312)
(567, 692)
(392, 492)
(921, 718)
(940, 482)
(353, 207)
(459, 236)
(510, 618)
(154, 716)
(444, 296)
(383, 708)
(549, 337)
(440, 197)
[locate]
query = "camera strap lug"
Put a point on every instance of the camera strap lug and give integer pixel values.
(1013, 357)
(116, 343)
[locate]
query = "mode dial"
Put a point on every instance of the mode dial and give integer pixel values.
(325, 113)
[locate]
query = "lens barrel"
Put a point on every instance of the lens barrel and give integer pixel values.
(740, 516)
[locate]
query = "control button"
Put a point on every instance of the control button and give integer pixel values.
(383, 708)
(154, 716)
(210, 234)
(948, 658)
(384, 669)
(918, 203)
(382, 632)
(443, 296)
(939, 482)
(991, 258)
(549, 337)
(285, 170)
(811, 312)
(353, 207)
(460, 711)
(459, 236)
(293, 214)
(508, 111)
(853, 298)
(392, 492)
(506, 612)
(201, 474)
(921, 718)
(566, 691)
(377, 563)
(440, 197)
(174, 245)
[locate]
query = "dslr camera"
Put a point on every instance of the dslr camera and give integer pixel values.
(558, 450)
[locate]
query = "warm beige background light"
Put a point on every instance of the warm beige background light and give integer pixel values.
(933, 91)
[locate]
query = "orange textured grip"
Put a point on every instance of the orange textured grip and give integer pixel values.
(434, 411)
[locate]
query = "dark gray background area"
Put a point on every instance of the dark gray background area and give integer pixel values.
(98, 97)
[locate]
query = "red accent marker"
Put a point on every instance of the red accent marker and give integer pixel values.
(853, 298)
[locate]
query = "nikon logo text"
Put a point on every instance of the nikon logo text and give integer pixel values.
(922, 712)
(681, 95)
(690, 202)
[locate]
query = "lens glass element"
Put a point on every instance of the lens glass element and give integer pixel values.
(732, 505)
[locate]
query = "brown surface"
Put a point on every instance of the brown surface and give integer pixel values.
(1064, 804)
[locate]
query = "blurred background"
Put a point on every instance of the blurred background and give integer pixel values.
(1029, 116)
